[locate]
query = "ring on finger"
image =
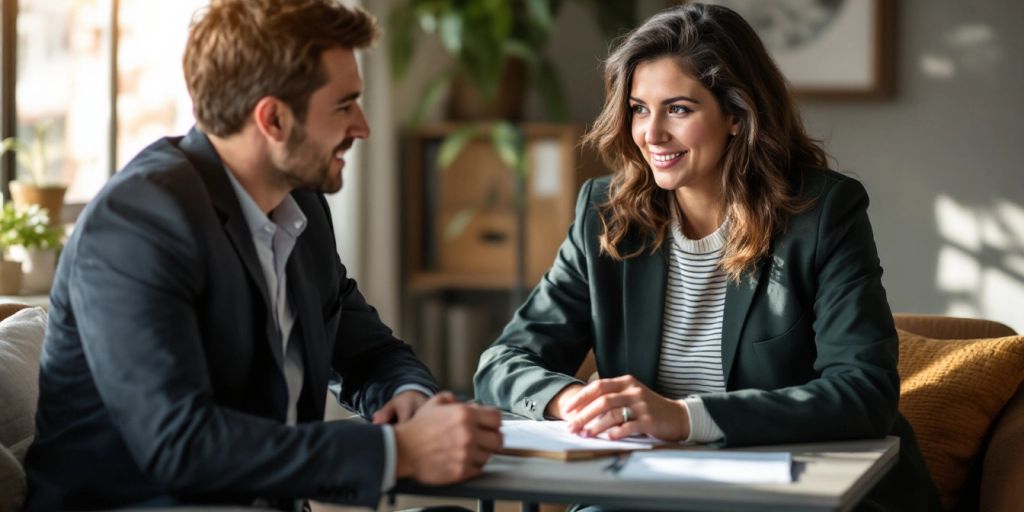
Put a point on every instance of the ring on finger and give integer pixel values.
(626, 413)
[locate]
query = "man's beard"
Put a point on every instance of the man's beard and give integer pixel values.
(305, 167)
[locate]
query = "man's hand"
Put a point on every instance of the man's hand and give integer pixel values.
(447, 441)
(401, 408)
(600, 406)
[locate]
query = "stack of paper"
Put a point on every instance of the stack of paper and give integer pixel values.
(710, 466)
(552, 439)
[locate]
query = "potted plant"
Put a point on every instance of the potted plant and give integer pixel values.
(33, 187)
(497, 48)
(29, 246)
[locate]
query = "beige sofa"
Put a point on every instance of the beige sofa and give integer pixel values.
(20, 341)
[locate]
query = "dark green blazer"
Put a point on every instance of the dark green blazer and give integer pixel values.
(809, 349)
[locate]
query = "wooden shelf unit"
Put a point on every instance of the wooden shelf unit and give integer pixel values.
(483, 255)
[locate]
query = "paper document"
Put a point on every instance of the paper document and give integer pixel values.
(552, 439)
(710, 466)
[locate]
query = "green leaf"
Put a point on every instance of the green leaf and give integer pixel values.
(28, 228)
(428, 21)
(12, 144)
(435, 90)
(400, 42)
(450, 32)
(552, 93)
(32, 162)
(453, 144)
(517, 48)
(540, 13)
(459, 222)
(508, 142)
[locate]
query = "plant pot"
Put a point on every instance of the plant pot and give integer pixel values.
(37, 268)
(466, 102)
(10, 277)
(50, 197)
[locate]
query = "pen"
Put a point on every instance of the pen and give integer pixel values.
(617, 464)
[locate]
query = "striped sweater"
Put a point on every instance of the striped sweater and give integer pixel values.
(690, 360)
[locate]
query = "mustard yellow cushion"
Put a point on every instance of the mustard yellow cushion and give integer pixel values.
(950, 391)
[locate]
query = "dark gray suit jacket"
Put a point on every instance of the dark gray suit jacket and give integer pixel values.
(161, 374)
(809, 349)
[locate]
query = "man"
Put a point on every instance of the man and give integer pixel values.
(200, 309)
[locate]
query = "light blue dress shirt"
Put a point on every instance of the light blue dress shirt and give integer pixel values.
(274, 237)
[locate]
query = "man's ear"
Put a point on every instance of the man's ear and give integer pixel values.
(272, 118)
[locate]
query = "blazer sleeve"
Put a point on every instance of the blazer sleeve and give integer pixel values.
(135, 275)
(371, 363)
(856, 392)
(549, 336)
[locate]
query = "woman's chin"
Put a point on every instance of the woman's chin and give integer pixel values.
(667, 180)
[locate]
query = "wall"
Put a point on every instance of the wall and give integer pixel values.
(942, 159)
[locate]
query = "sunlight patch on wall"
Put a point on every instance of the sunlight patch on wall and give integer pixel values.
(958, 224)
(969, 49)
(981, 266)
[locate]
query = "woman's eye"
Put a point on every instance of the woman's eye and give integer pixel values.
(638, 109)
(678, 109)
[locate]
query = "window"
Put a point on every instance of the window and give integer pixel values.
(63, 89)
(101, 96)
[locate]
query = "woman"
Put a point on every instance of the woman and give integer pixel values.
(727, 282)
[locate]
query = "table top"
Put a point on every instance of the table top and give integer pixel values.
(828, 476)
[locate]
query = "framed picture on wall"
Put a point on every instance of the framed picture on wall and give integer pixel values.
(826, 48)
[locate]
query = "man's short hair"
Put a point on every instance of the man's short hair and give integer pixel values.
(239, 51)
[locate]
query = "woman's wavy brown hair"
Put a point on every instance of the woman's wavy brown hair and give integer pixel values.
(762, 164)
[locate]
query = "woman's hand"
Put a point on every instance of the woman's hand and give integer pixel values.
(557, 406)
(623, 406)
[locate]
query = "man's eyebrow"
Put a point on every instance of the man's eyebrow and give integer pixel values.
(348, 97)
(673, 99)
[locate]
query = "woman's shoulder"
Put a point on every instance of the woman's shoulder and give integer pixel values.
(597, 189)
(821, 187)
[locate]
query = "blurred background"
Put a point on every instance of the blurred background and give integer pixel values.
(451, 213)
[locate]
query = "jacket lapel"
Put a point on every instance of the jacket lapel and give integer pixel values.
(202, 154)
(738, 298)
(644, 292)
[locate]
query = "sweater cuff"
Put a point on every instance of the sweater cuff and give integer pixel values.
(703, 428)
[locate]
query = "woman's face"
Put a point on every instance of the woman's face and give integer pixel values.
(678, 126)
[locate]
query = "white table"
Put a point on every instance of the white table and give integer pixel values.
(828, 476)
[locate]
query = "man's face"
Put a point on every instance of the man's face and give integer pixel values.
(315, 149)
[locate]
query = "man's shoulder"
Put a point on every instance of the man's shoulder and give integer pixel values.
(162, 168)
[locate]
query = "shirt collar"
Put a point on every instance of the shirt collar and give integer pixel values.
(287, 215)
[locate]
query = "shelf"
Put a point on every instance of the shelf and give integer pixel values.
(425, 282)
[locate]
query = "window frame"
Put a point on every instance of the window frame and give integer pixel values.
(8, 98)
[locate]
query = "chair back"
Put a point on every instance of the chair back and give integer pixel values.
(993, 483)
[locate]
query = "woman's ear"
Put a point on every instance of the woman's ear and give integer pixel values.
(734, 128)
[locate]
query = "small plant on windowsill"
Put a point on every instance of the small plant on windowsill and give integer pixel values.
(32, 186)
(28, 249)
